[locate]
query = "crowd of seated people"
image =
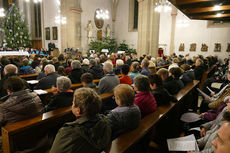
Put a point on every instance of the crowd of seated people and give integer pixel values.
(137, 93)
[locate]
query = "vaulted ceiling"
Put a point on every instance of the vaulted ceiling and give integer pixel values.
(204, 9)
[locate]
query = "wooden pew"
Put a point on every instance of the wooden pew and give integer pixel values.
(136, 141)
(29, 76)
(27, 133)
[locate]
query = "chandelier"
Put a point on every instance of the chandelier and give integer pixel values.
(2, 13)
(163, 6)
(101, 14)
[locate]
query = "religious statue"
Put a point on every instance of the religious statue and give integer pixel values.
(181, 48)
(193, 47)
(90, 31)
(217, 47)
(204, 48)
(108, 31)
(228, 48)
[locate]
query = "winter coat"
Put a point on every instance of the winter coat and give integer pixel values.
(48, 81)
(108, 83)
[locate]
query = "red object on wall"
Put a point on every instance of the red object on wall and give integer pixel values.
(160, 52)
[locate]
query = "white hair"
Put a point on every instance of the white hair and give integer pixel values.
(49, 69)
(11, 69)
(119, 62)
(85, 61)
(76, 64)
(108, 67)
(63, 83)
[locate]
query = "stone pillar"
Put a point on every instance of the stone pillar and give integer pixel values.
(70, 31)
(114, 5)
(148, 28)
(173, 28)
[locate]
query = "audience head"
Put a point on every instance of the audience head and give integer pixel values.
(108, 67)
(61, 71)
(86, 78)
(119, 62)
(175, 60)
(163, 73)
(199, 62)
(185, 67)
(135, 67)
(175, 72)
(14, 84)
(85, 62)
(49, 69)
(124, 95)
(92, 62)
(125, 69)
(141, 83)
(155, 81)
(25, 62)
(145, 63)
(76, 64)
(63, 83)
(69, 61)
(86, 103)
(55, 60)
(222, 142)
(10, 69)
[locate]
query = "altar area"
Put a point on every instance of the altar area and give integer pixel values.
(14, 53)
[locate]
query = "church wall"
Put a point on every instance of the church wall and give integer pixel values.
(88, 8)
(50, 12)
(197, 32)
(121, 25)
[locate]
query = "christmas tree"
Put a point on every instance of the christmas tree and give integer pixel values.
(16, 31)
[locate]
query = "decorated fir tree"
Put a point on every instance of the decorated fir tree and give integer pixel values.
(16, 31)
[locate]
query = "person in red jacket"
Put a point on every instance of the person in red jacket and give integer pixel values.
(125, 79)
(144, 99)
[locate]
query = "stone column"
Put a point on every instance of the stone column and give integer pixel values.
(114, 5)
(70, 31)
(173, 28)
(148, 28)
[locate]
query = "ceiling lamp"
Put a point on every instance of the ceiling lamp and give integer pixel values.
(2, 12)
(216, 7)
(218, 14)
(163, 6)
(101, 14)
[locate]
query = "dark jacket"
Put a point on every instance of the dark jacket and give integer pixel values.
(26, 70)
(163, 97)
(48, 81)
(117, 70)
(96, 71)
(187, 77)
(198, 72)
(83, 136)
(173, 86)
(85, 68)
(20, 106)
(123, 119)
(60, 100)
(75, 75)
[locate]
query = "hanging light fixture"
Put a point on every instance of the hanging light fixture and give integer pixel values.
(163, 6)
(2, 12)
(60, 19)
(35, 1)
(101, 14)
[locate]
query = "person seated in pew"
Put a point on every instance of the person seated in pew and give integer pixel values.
(76, 72)
(55, 62)
(126, 116)
(49, 80)
(145, 67)
(222, 142)
(159, 92)
(90, 133)
(21, 104)
(61, 71)
(188, 75)
(144, 98)
(9, 70)
(63, 95)
(119, 64)
(109, 81)
(95, 69)
(87, 81)
(199, 69)
(135, 68)
(26, 68)
(125, 79)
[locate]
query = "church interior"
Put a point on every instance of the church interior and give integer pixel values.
(115, 76)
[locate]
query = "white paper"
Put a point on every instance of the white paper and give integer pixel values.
(187, 143)
(196, 129)
(104, 50)
(190, 117)
(40, 92)
(209, 89)
(216, 85)
(120, 52)
(33, 81)
(203, 94)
